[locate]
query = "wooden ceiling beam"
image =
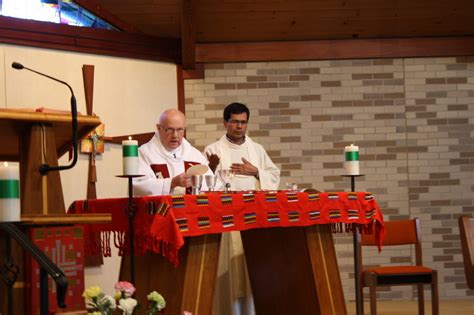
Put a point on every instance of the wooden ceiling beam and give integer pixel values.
(188, 35)
(101, 12)
(335, 49)
(87, 40)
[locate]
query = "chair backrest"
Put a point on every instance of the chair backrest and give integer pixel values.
(311, 191)
(400, 232)
(466, 231)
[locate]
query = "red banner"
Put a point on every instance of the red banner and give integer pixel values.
(64, 246)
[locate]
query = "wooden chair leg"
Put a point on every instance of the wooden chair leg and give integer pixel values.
(373, 300)
(434, 293)
(361, 294)
(421, 299)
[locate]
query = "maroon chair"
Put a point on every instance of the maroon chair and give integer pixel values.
(466, 231)
(403, 232)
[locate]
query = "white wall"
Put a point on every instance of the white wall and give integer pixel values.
(129, 95)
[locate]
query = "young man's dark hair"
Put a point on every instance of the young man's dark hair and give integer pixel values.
(235, 108)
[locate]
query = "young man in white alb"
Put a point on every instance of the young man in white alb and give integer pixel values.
(253, 170)
(252, 167)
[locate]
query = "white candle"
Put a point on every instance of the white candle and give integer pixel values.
(351, 161)
(130, 156)
(10, 209)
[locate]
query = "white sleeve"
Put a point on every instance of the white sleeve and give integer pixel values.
(268, 173)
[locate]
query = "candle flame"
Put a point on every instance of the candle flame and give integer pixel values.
(129, 137)
(5, 164)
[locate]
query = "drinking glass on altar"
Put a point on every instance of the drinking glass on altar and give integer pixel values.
(210, 182)
(196, 183)
(291, 186)
(226, 177)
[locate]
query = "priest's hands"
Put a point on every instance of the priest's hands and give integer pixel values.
(181, 180)
(245, 168)
(213, 161)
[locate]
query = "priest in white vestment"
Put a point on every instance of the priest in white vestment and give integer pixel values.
(166, 157)
(253, 170)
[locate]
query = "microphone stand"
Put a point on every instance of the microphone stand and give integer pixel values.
(45, 168)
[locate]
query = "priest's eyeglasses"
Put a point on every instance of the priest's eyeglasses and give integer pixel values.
(237, 122)
(171, 131)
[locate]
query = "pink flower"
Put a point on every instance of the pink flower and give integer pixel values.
(126, 288)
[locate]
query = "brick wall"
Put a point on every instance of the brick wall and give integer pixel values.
(412, 119)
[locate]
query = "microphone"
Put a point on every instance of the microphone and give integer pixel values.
(17, 65)
(45, 168)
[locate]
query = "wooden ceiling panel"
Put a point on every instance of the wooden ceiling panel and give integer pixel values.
(282, 20)
(157, 18)
(156, 25)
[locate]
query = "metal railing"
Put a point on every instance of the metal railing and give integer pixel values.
(9, 272)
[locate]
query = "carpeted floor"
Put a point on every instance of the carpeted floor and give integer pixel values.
(446, 307)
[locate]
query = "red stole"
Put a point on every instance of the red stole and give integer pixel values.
(161, 170)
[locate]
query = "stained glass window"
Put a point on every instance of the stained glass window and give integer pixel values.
(54, 11)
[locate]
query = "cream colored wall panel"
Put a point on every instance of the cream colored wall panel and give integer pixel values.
(2, 78)
(129, 95)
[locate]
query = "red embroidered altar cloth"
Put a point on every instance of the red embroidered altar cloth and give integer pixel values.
(162, 222)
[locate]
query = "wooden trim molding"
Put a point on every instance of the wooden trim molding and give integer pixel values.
(188, 34)
(196, 73)
(335, 49)
(136, 45)
(180, 89)
(87, 40)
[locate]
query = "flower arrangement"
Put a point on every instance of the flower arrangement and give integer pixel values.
(156, 303)
(98, 303)
(124, 291)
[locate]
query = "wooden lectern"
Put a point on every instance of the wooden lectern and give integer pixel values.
(35, 138)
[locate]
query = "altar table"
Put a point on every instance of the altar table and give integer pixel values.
(287, 239)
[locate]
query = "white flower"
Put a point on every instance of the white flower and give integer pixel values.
(90, 304)
(111, 301)
(127, 305)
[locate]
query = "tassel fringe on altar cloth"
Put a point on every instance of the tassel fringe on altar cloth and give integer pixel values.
(162, 222)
